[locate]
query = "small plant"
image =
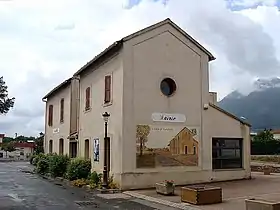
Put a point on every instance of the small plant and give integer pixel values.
(79, 182)
(112, 184)
(78, 168)
(169, 183)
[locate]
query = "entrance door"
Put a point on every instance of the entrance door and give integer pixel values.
(73, 148)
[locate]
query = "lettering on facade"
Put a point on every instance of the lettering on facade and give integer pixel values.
(164, 117)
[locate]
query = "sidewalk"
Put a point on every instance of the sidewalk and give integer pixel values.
(234, 193)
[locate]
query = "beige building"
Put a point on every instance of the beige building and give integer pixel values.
(154, 83)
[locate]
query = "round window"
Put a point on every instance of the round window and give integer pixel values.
(168, 86)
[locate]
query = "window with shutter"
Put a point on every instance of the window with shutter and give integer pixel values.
(87, 107)
(62, 110)
(107, 97)
(50, 120)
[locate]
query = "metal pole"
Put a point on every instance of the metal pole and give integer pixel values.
(105, 171)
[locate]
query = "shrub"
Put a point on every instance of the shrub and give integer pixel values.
(112, 184)
(78, 169)
(42, 166)
(79, 182)
(31, 159)
(95, 178)
(37, 158)
(58, 165)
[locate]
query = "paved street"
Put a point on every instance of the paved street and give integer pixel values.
(25, 191)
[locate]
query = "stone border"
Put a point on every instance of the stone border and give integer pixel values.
(183, 206)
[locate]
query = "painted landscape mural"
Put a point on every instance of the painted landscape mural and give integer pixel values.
(159, 146)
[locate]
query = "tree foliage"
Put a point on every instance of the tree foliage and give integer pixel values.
(6, 103)
(265, 144)
(39, 144)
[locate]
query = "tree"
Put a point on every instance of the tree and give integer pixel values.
(142, 133)
(5, 102)
(8, 147)
(39, 144)
(264, 144)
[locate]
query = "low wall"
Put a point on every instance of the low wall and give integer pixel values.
(129, 181)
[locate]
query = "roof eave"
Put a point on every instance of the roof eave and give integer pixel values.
(57, 88)
(229, 114)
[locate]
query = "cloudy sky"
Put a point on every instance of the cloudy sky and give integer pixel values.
(44, 42)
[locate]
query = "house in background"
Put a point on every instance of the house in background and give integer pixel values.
(157, 77)
(276, 134)
(22, 150)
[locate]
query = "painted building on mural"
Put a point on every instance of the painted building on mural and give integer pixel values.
(164, 123)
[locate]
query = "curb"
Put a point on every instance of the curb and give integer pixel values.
(183, 206)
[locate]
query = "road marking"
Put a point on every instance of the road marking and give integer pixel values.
(15, 197)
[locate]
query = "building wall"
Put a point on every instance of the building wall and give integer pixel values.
(58, 130)
(148, 59)
(91, 124)
(213, 97)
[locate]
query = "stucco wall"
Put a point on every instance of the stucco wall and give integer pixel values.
(63, 127)
(148, 59)
(91, 124)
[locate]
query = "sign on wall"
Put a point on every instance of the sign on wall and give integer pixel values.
(165, 117)
(56, 130)
(96, 149)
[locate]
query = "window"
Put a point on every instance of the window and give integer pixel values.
(87, 149)
(87, 107)
(226, 153)
(107, 97)
(62, 110)
(61, 146)
(168, 86)
(50, 119)
(73, 149)
(186, 150)
(51, 146)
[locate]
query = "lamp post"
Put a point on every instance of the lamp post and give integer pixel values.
(106, 116)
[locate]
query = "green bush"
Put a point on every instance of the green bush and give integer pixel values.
(38, 157)
(78, 169)
(58, 165)
(42, 166)
(95, 178)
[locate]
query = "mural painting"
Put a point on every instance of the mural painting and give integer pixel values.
(166, 146)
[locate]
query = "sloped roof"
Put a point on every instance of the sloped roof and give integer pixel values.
(61, 85)
(229, 114)
(116, 46)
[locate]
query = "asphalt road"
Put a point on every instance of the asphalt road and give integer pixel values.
(25, 191)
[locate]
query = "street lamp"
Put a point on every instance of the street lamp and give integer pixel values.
(106, 116)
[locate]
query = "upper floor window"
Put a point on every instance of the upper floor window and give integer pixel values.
(62, 110)
(87, 106)
(107, 96)
(50, 115)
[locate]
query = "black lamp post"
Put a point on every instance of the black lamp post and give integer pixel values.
(106, 116)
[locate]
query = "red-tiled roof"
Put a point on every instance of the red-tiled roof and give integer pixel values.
(276, 131)
(25, 144)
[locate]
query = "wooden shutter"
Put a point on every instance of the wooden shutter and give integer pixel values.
(87, 98)
(50, 120)
(107, 97)
(62, 110)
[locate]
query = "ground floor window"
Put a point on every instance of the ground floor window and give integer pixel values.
(61, 146)
(227, 153)
(87, 149)
(51, 146)
(73, 147)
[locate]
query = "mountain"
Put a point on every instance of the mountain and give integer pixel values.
(261, 107)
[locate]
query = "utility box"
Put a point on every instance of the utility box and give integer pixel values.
(260, 204)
